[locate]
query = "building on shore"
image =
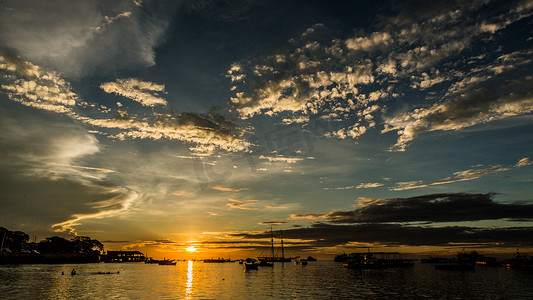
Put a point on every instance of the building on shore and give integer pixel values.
(124, 256)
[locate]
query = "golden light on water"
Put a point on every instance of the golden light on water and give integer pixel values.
(188, 287)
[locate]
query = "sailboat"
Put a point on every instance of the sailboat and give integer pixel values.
(273, 257)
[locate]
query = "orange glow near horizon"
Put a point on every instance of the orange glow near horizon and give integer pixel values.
(191, 249)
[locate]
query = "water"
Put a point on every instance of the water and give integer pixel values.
(318, 280)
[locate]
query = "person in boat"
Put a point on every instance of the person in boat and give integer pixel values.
(73, 272)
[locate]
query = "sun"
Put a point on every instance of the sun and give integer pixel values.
(191, 249)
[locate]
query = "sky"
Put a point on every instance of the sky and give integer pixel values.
(164, 125)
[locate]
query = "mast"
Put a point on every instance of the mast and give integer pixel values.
(282, 251)
(272, 241)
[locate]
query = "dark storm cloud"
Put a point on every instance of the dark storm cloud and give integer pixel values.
(329, 235)
(431, 208)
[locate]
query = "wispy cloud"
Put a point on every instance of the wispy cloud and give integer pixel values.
(144, 92)
(465, 175)
(36, 87)
(359, 186)
(30, 85)
(179, 193)
(228, 189)
(101, 36)
(280, 158)
(109, 20)
(471, 108)
(272, 223)
(241, 204)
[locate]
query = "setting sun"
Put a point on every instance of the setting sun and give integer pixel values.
(191, 249)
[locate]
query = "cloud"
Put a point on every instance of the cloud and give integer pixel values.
(52, 176)
(359, 186)
(79, 38)
(330, 235)
(227, 189)
(423, 52)
(30, 85)
(465, 175)
(494, 101)
(429, 208)
(526, 161)
(179, 193)
(241, 204)
(108, 20)
(146, 93)
(35, 87)
(272, 223)
(280, 158)
(369, 185)
(306, 216)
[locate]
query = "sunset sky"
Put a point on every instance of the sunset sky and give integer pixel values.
(160, 125)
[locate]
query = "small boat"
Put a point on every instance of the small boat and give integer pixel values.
(251, 266)
(341, 258)
(376, 260)
(264, 263)
(151, 261)
(519, 262)
(302, 262)
(310, 258)
(167, 262)
(215, 260)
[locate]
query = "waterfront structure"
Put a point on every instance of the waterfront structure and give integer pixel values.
(124, 256)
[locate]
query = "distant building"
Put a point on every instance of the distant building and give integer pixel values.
(124, 256)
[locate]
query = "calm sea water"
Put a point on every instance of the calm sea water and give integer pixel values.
(318, 280)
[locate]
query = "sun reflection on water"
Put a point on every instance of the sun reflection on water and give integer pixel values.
(188, 286)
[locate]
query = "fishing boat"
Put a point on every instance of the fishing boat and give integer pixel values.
(251, 264)
(274, 257)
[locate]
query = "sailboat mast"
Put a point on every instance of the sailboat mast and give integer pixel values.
(282, 251)
(272, 241)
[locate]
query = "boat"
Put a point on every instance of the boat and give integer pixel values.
(519, 262)
(151, 261)
(273, 257)
(215, 260)
(310, 258)
(251, 264)
(167, 262)
(301, 262)
(341, 258)
(264, 263)
(377, 260)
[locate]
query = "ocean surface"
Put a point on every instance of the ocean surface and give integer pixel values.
(199, 280)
